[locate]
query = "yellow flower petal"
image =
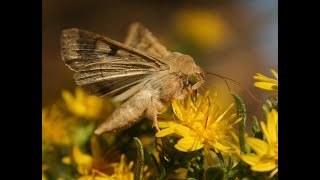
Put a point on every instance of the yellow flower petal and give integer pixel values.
(259, 146)
(67, 96)
(162, 124)
(189, 144)
(273, 126)
(81, 158)
(274, 73)
(266, 86)
(237, 121)
(260, 77)
(221, 147)
(221, 116)
(271, 130)
(265, 131)
(250, 159)
(264, 166)
(182, 130)
(177, 109)
(165, 132)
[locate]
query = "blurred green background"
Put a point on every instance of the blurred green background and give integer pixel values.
(232, 38)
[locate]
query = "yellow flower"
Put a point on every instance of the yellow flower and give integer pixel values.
(84, 161)
(83, 105)
(203, 27)
(94, 167)
(265, 157)
(121, 170)
(124, 172)
(55, 127)
(267, 84)
(85, 165)
(200, 123)
(88, 165)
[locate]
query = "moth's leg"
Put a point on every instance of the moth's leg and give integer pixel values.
(155, 122)
(154, 115)
(156, 107)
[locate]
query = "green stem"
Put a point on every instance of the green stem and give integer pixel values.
(138, 169)
(242, 113)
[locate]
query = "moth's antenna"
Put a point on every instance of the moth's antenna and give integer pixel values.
(227, 78)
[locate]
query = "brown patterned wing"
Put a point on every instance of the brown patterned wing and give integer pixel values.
(103, 66)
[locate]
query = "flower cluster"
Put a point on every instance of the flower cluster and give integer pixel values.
(264, 157)
(199, 138)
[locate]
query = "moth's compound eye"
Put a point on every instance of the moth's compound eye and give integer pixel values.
(192, 79)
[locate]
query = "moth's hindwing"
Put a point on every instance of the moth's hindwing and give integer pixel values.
(141, 38)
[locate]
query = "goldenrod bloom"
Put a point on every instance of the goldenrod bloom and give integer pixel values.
(55, 127)
(89, 165)
(93, 167)
(121, 171)
(200, 123)
(265, 83)
(83, 105)
(265, 157)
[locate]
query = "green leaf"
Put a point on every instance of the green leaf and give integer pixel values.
(138, 168)
(214, 173)
(242, 113)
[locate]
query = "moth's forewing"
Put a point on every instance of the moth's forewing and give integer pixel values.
(103, 66)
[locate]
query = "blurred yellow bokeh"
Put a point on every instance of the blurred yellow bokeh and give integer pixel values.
(203, 27)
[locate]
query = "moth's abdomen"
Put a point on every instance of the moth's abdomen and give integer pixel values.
(127, 114)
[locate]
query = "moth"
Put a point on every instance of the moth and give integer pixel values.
(141, 73)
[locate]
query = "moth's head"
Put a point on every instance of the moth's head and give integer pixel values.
(196, 78)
